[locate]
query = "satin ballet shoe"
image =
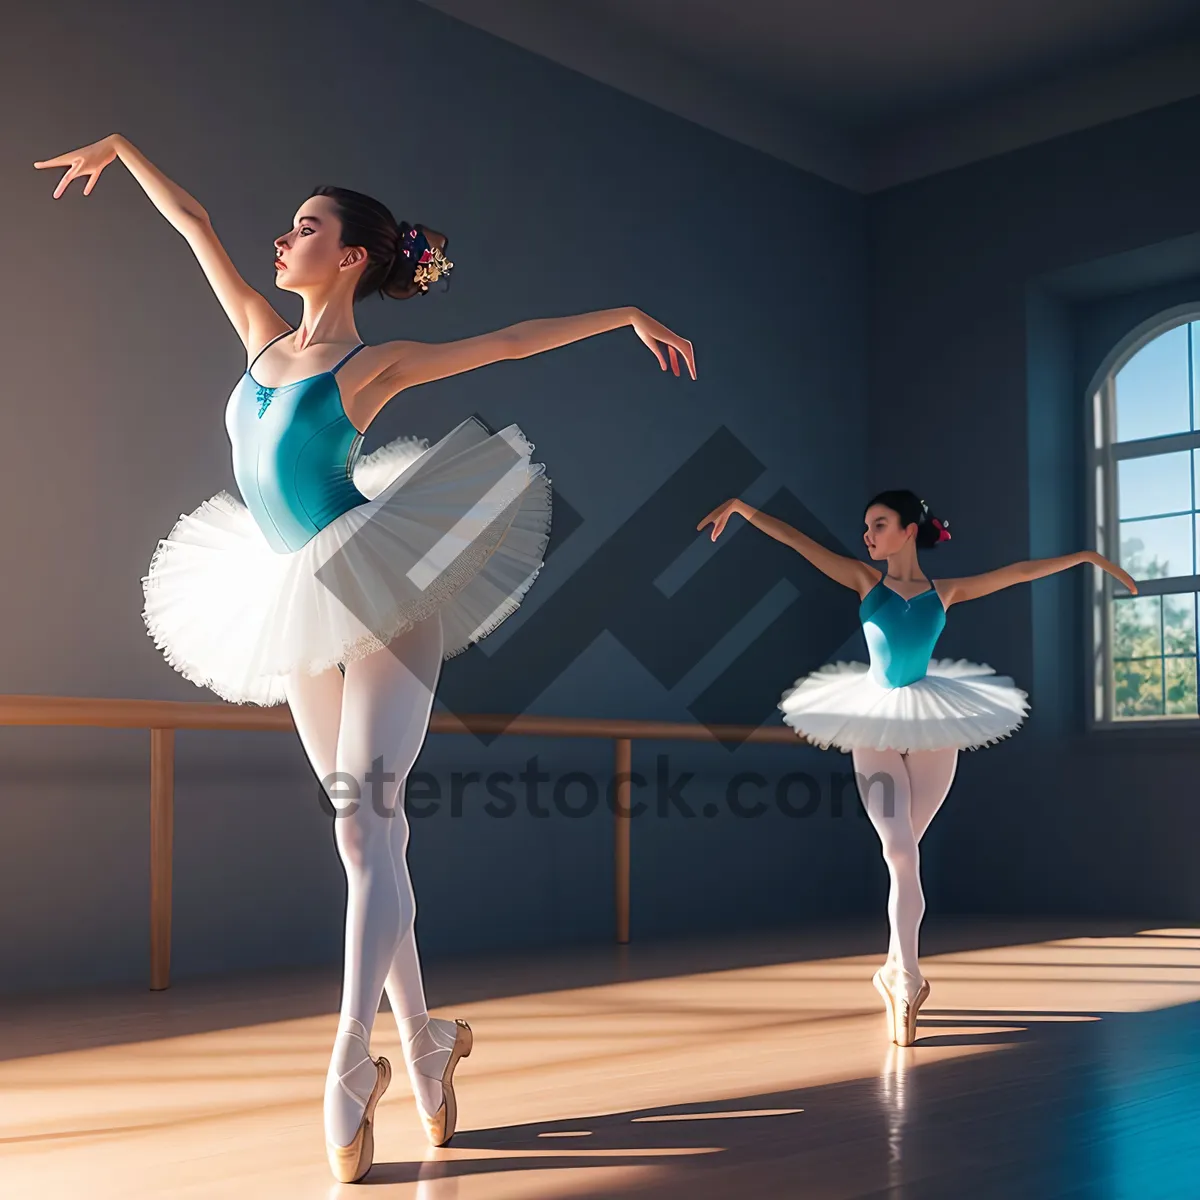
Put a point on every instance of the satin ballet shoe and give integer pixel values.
(889, 1002)
(440, 1127)
(350, 1163)
(901, 1010)
(922, 993)
(907, 1024)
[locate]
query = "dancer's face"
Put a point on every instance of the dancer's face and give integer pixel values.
(311, 254)
(884, 535)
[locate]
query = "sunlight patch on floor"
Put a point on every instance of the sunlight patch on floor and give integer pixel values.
(180, 1115)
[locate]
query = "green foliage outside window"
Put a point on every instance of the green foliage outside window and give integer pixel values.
(1154, 647)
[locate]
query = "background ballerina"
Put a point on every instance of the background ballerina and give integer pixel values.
(340, 583)
(906, 716)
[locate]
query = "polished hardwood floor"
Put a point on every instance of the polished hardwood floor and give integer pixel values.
(1055, 1059)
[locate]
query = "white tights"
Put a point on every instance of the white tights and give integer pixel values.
(372, 724)
(901, 794)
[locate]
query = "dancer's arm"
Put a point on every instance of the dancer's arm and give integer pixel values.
(972, 587)
(849, 572)
(249, 312)
(407, 364)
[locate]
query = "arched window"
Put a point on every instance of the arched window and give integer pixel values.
(1146, 472)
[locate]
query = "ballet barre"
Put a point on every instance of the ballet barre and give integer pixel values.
(162, 718)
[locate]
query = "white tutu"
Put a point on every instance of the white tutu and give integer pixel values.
(958, 704)
(459, 528)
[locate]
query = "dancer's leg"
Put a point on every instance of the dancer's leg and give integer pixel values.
(930, 774)
(316, 706)
(386, 706)
(884, 787)
(427, 1041)
(385, 703)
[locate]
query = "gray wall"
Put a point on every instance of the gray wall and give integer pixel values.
(560, 196)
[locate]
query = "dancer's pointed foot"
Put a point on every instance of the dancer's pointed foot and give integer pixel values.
(908, 1005)
(881, 986)
(348, 1091)
(432, 1074)
(903, 994)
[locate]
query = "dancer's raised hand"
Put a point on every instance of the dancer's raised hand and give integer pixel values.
(651, 332)
(87, 160)
(1120, 575)
(720, 516)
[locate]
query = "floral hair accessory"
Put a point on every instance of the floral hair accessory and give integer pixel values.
(430, 263)
(941, 527)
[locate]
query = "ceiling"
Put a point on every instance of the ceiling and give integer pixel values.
(870, 93)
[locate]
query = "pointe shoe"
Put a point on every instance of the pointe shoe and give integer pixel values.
(907, 1033)
(440, 1127)
(922, 993)
(350, 1163)
(889, 1001)
(902, 1011)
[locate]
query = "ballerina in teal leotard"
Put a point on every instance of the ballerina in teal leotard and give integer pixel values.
(904, 717)
(339, 582)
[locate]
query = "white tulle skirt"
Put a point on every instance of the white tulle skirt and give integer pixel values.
(957, 704)
(458, 528)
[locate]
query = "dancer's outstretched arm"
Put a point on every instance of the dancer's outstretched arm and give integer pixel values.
(849, 572)
(399, 364)
(407, 364)
(249, 311)
(971, 587)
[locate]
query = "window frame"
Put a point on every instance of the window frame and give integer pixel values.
(1103, 522)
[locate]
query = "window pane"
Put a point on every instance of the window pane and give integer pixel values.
(1194, 329)
(1153, 388)
(1181, 686)
(1147, 487)
(1137, 627)
(1179, 623)
(1137, 688)
(1157, 548)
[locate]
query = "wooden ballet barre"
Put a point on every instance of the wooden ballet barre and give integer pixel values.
(163, 717)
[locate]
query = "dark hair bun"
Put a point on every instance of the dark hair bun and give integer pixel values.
(928, 535)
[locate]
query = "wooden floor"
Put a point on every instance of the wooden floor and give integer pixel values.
(1055, 1060)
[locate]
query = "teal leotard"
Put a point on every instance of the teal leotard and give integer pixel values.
(901, 634)
(294, 451)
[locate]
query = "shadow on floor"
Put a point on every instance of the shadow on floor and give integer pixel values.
(1093, 1110)
(55, 1022)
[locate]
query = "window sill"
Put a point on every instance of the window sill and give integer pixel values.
(1165, 735)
